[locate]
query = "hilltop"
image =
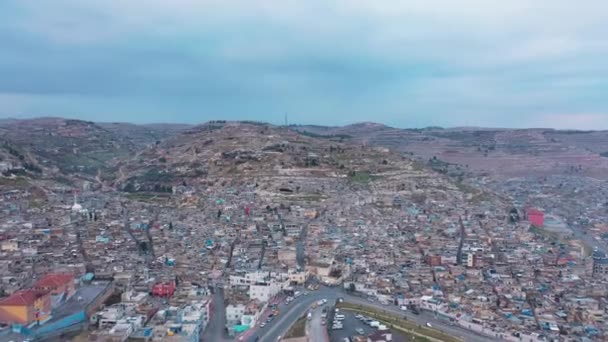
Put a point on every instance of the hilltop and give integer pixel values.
(498, 151)
(278, 162)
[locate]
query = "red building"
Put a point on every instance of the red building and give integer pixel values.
(433, 260)
(59, 285)
(56, 284)
(536, 217)
(163, 290)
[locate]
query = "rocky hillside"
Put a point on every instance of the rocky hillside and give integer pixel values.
(279, 162)
(501, 152)
(56, 147)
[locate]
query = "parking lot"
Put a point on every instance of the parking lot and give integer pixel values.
(351, 324)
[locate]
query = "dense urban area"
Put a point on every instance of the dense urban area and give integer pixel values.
(246, 231)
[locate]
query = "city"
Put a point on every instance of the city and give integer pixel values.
(263, 224)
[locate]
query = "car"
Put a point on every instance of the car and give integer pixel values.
(324, 300)
(306, 293)
(360, 331)
(323, 322)
(429, 325)
(403, 308)
(358, 316)
(337, 327)
(263, 324)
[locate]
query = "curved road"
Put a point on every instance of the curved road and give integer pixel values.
(289, 314)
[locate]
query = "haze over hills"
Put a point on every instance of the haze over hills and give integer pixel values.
(502, 152)
(64, 146)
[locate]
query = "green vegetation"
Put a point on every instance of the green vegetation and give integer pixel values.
(551, 236)
(147, 197)
(155, 175)
(362, 177)
(17, 182)
(325, 136)
(413, 331)
(298, 329)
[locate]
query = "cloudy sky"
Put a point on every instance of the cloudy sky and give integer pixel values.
(516, 63)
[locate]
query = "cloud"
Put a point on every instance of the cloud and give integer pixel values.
(436, 62)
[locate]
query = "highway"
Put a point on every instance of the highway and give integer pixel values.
(290, 313)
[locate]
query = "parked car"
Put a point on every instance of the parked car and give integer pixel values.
(360, 331)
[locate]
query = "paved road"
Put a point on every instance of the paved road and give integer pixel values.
(215, 330)
(315, 329)
(295, 310)
(588, 239)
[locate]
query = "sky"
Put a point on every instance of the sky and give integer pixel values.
(516, 63)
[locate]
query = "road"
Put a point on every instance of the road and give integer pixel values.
(295, 310)
(215, 330)
(588, 239)
(315, 330)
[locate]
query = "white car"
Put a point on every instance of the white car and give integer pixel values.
(429, 325)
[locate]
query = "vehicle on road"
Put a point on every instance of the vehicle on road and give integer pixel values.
(263, 324)
(374, 324)
(429, 325)
(360, 331)
(403, 308)
(309, 316)
(339, 317)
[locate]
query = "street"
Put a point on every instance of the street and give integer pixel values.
(215, 330)
(314, 328)
(291, 312)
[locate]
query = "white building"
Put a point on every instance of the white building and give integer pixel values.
(264, 291)
(234, 313)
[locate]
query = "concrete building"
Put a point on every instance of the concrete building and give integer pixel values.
(264, 291)
(600, 264)
(25, 307)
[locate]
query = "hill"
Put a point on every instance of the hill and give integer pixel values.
(278, 162)
(500, 152)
